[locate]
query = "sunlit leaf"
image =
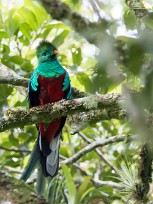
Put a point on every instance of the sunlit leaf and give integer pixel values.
(3, 34)
(25, 29)
(77, 56)
(129, 19)
(26, 65)
(81, 190)
(59, 39)
(39, 12)
(25, 41)
(70, 185)
(30, 19)
(86, 81)
(16, 59)
(14, 20)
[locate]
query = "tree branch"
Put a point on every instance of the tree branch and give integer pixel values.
(145, 174)
(61, 11)
(16, 191)
(98, 151)
(138, 8)
(22, 117)
(8, 76)
(96, 182)
(92, 146)
(82, 120)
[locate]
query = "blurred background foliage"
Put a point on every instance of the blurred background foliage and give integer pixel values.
(122, 56)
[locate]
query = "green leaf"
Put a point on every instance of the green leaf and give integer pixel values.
(57, 25)
(5, 49)
(125, 39)
(77, 56)
(134, 58)
(25, 29)
(25, 41)
(107, 189)
(81, 190)
(16, 59)
(26, 66)
(5, 92)
(14, 20)
(50, 26)
(3, 34)
(148, 22)
(129, 19)
(6, 61)
(86, 81)
(70, 185)
(28, 17)
(58, 40)
(44, 33)
(39, 12)
(89, 190)
(14, 141)
(52, 189)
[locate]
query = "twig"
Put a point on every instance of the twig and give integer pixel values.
(8, 76)
(92, 146)
(96, 182)
(11, 170)
(97, 150)
(98, 170)
(15, 150)
(96, 9)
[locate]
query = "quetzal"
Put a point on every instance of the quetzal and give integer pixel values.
(49, 83)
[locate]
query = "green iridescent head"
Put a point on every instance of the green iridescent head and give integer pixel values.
(46, 51)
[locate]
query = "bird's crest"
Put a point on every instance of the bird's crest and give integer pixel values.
(44, 45)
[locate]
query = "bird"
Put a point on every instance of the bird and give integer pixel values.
(49, 83)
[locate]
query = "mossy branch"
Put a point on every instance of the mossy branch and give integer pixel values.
(145, 174)
(16, 191)
(138, 8)
(22, 117)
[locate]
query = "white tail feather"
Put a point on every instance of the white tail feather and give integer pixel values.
(55, 143)
(52, 158)
(40, 145)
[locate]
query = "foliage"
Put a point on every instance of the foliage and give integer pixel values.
(114, 62)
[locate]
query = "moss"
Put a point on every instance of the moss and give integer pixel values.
(145, 174)
(17, 192)
(91, 102)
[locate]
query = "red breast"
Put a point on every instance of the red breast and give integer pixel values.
(51, 89)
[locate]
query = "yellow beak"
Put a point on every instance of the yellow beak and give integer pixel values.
(55, 52)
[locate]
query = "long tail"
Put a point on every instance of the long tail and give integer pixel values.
(32, 163)
(49, 162)
(41, 181)
(50, 155)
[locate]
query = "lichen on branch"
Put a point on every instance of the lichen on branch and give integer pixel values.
(21, 117)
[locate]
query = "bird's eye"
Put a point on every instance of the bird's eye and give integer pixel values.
(44, 54)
